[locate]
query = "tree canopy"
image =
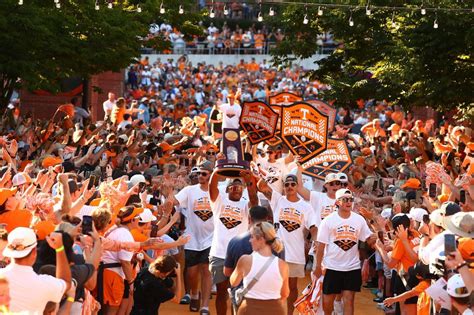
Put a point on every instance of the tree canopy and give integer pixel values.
(42, 44)
(396, 55)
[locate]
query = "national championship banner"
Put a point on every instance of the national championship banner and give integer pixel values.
(336, 158)
(327, 110)
(304, 130)
(276, 102)
(259, 121)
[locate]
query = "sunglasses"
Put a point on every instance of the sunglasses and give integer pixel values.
(335, 183)
(461, 290)
(347, 199)
(290, 184)
(235, 187)
(202, 174)
(211, 153)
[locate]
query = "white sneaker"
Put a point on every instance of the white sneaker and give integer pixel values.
(338, 308)
(213, 289)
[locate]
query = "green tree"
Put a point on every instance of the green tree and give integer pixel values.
(395, 55)
(42, 44)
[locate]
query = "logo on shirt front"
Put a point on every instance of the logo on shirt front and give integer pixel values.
(327, 211)
(290, 219)
(231, 216)
(346, 237)
(202, 208)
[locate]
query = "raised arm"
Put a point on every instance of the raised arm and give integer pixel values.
(302, 191)
(213, 189)
(265, 189)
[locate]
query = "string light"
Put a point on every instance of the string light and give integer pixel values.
(226, 12)
(212, 14)
(139, 9)
(271, 12)
(367, 9)
(56, 1)
(423, 10)
(20, 2)
(320, 11)
(305, 19)
(181, 10)
(97, 7)
(351, 21)
(110, 5)
(260, 17)
(162, 8)
(58, 5)
(435, 23)
(393, 20)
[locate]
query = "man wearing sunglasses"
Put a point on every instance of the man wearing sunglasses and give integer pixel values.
(231, 216)
(337, 247)
(293, 218)
(195, 206)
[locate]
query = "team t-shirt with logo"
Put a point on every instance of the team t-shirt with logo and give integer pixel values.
(341, 237)
(275, 172)
(322, 205)
(196, 208)
(291, 218)
(230, 219)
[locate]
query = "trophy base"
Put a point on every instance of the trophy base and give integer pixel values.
(231, 169)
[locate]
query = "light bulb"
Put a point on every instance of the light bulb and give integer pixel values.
(351, 22)
(212, 14)
(162, 8)
(56, 1)
(423, 11)
(20, 2)
(110, 5)
(368, 11)
(97, 7)
(305, 19)
(394, 24)
(435, 24)
(226, 12)
(58, 5)
(181, 10)
(260, 17)
(139, 10)
(271, 12)
(320, 11)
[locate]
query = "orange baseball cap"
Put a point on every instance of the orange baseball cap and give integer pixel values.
(466, 248)
(43, 229)
(6, 193)
(412, 183)
(51, 161)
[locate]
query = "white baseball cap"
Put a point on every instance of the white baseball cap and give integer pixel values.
(437, 217)
(21, 242)
(341, 193)
(417, 214)
(20, 179)
(386, 213)
(146, 216)
(137, 178)
(456, 287)
(331, 177)
(342, 177)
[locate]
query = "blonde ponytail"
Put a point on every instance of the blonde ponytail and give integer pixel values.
(266, 231)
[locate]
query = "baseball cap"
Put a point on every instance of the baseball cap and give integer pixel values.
(20, 179)
(400, 219)
(194, 170)
(412, 183)
(456, 287)
(6, 193)
(137, 178)
(290, 178)
(235, 181)
(386, 213)
(341, 193)
(342, 177)
(124, 137)
(146, 216)
(437, 217)
(21, 242)
(449, 208)
(461, 224)
(330, 178)
(206, 166)
(417, 214)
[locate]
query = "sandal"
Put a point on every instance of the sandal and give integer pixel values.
(186, 299)
(194, 305)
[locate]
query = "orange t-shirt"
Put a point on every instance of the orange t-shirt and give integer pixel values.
(423, 304)
(400, 254)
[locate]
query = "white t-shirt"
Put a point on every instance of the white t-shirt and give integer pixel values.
(196, 208)
(291, 218)
(275, 172)
(230, 219)
(108, 106)
(230, 115)
(341, 237)
(29, 292)
(120, 234)
(322, 205)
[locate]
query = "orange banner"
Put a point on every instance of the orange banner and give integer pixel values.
(304, 130)
(276, 102)
(259, 121)
(327, 110)
(336, 158)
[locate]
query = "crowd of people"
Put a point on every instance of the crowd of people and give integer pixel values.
(120, 215)
(224, 40)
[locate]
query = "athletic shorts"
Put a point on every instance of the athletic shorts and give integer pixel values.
(195, 257)
(399, 287)
(337, 281)
(295, 270)
(113, 288)
(216, 267)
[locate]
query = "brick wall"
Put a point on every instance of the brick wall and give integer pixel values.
(42, 106)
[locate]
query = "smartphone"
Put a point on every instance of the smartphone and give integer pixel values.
(380, 235)
(462, 196)
(141, 186)
(86, 224)
(449, 244)
(374, 187)
(154, 230)
(381, 184)
(92, 181)
(432, 190)
(426, 219)
(154, 201)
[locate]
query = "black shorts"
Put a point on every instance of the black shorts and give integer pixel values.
(337, 281)
(194, 257)
(399, 287)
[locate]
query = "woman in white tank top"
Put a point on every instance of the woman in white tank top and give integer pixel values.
(271, 289)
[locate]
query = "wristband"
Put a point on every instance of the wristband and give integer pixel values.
(461, 265)
(60, 249)
(70, 299)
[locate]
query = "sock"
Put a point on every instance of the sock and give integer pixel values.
(205, 308)
(195, 296)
